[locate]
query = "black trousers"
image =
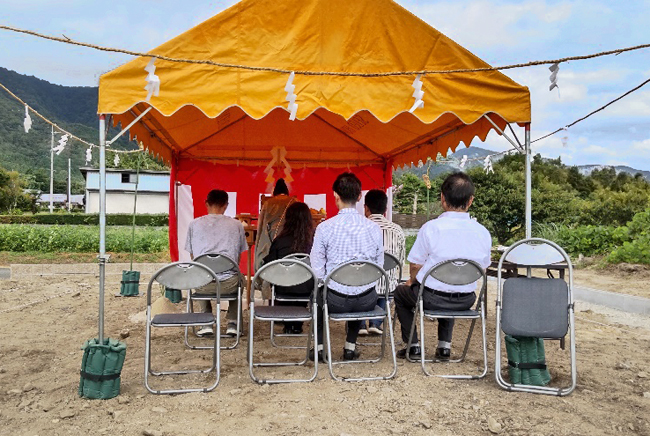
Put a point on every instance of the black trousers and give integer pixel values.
(406, 298)
(336, 303)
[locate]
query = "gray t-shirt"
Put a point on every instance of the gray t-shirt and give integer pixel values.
(216, 234)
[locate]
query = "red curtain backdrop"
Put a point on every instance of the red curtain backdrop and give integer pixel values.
(249, 182)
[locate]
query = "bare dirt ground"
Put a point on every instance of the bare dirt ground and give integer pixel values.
(40, 359)
(623, 278)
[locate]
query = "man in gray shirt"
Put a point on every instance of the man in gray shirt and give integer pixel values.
(216, 233)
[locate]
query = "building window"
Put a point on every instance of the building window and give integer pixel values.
(129, 178)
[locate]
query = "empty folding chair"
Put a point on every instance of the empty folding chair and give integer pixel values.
(358, 273)
(456, 272)
(535, 307)
(284, 272)
(279, 297)
(182, 276)
(218, 263)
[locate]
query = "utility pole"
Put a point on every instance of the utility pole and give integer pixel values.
(52, 172)
(69, 183)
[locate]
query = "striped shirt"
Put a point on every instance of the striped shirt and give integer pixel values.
(344, 237)
(394, 243)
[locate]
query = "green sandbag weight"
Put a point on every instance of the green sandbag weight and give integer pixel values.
(130, 284)
(101, 367)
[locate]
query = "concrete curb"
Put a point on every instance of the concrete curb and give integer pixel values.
(613, 300)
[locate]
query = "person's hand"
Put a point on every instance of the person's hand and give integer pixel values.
(409, 282)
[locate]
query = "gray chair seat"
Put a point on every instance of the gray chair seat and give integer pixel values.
(284, 312)
(452, 313)
(182, 318)
(292, 297)
(377, 312)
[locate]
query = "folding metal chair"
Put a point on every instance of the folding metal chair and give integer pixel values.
(456, 272)
(182, 275)
(358, 273)
(218, 263)
(284, 272)
(304, 258)
(535, 307)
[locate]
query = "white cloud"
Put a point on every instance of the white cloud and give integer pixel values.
(483, 23)
(642, 146)
(634, 105)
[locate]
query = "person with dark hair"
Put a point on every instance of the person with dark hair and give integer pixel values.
(296, 236)
(376, 205)
(344, 237)
(271, 220)
(218, 234)
(453, 235)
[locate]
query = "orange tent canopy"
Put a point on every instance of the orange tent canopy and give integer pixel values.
(236, 115)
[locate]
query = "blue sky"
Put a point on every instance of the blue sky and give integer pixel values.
(500, 32)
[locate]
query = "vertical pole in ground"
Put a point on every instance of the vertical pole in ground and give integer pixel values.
(69, 183)
(529, 208)
(102, 222)
(52, 172)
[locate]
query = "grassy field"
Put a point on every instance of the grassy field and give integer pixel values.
(9, 257)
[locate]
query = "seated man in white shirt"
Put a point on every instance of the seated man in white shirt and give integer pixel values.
(216, 233)
(344, 237)
(452, 235)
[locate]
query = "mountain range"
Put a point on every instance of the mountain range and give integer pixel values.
(74, 108)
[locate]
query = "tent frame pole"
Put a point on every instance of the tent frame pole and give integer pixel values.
(498, 129)
(528, 182)
(145, 112)
(102, 223)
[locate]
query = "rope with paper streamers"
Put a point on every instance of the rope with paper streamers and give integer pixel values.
(67, 40)
(28, 125)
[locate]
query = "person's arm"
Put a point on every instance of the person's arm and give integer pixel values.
(188, 241)
(318, 256)
(243, 245)
(261, 224)
(379, 242)
(418, 255)
(273, 253)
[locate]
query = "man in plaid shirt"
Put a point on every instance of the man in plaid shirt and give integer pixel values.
(347, 236)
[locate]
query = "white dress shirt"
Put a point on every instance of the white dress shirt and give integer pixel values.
(394, 242)
(452, 235)
(344, 237)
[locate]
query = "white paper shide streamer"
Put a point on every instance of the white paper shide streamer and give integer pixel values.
(28, 120)
(554, 70)
(89, 154)
(63, 141)
(417, 94)
(116, 160)
(463, 161)
(291, 97)
(487, 165)
(153, 82)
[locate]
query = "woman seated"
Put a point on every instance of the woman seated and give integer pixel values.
(296, 236)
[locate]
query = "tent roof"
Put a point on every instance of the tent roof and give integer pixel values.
(229, 114)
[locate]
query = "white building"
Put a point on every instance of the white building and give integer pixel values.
(153, 191)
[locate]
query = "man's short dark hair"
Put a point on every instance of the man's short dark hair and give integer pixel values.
(348, 187)
(217, 198)
(376, 201)
(280, 188)
(457, 189)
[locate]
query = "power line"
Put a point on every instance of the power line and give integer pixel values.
(596, 111)
(67, 40)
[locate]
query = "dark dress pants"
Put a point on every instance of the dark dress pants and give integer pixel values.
(406, 298)
(338, 303)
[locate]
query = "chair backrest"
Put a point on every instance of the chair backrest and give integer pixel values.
(533, 252)
(356, 273)
(303, 257)
(455, 272)
(182, 275)
(218, 263)
(390, 261)
(285, 272)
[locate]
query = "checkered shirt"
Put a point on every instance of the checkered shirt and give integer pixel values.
(344, 237)
(394, 243)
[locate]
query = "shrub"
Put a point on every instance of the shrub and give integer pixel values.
(636, 251)
(586, 240)
(21, 238)
(157, 220)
